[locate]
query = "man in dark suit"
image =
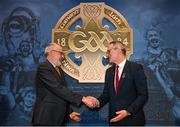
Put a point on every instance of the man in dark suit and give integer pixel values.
(125, 88)
(53, 97)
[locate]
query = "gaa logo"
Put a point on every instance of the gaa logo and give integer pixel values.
(84, 32)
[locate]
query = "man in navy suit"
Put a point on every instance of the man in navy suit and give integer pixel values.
(125, 88)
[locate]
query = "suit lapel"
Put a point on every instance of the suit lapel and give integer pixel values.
(112, 78)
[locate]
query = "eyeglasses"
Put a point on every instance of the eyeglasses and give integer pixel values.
(58, 52)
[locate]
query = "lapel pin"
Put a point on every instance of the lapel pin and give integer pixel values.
(123, 75)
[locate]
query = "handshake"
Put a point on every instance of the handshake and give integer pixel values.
(91, 102)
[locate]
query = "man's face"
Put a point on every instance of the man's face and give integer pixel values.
(153, 38)
(58, 55)
(113, 53)
(29, 99)
(25, 48)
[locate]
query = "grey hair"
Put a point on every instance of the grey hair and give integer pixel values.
(49, 48)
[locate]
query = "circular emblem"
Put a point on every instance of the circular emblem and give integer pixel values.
(84, 32)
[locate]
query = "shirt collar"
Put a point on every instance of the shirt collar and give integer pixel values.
(121, 65)
(52, 63)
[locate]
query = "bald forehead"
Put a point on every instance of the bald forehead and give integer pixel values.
(57, 47)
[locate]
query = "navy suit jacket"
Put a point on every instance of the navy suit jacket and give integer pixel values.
(53, 97)
(132, 93)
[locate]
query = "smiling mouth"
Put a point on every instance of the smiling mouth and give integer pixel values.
(154, 40)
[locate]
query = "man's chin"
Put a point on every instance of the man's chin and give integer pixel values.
(58, 64)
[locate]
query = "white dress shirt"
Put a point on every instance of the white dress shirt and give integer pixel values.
(120, 69)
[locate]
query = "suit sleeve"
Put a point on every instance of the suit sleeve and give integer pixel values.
(104, 97)
(45, 75)
(142, 91)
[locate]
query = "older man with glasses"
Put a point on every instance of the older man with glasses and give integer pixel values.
(53, 99)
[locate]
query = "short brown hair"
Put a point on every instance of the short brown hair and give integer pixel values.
(119, 43)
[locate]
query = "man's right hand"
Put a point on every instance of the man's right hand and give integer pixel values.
(91, 101)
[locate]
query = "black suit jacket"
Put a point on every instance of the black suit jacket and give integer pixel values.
(132, 94)
(53, 97)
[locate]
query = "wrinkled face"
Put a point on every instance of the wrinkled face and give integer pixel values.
(57, 55)
(29, 99)
(153, 38)
(114, 53)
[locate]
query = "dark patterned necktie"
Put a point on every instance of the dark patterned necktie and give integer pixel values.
(58, 70)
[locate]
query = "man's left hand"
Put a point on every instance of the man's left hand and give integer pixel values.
(120, 115)
(75, 116)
